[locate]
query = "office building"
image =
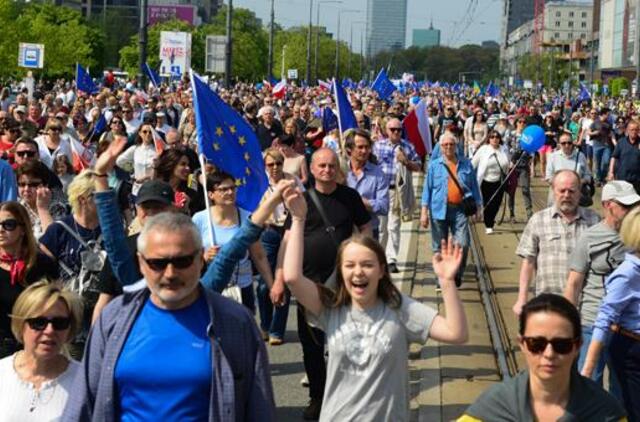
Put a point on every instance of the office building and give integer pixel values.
(386, 25)
(426, 37)
(618, 34)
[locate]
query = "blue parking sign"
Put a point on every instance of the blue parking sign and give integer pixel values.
(31, 55)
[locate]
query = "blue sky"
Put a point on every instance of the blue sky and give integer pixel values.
(450, 16)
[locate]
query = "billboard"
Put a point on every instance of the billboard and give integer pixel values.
(175, 53)
(161, 13)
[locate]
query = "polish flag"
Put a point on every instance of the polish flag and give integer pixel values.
(158, 142)
(324, 85)
(280, 89)
(82, 157)
(416, 126)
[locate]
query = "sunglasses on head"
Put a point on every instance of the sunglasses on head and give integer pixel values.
(58, 323)
(26, 153)
(178, 262)
(9, 224)
(537, 345)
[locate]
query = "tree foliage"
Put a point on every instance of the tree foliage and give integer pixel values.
(547, 68)
(617, 85)
(440, 63)
(67, 37)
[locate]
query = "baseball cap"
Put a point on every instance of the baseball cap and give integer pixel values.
(157, 191)
(620, 191)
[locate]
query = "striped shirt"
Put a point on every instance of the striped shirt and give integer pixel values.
(549, 240)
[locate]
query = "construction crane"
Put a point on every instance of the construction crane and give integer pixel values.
(538, 26)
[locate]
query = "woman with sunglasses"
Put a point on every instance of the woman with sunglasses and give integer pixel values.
(21, 263)
(36, 381)
(34, 195)
(492, 165)
(52, 143)
(10, 133)
(567, 158)
(618, 320)
(139, 158)
(226, 218)
(116, 127)
(550, 388)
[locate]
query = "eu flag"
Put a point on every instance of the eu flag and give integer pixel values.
(383, 85)
(584, 94)
(153, 76)
(346, 118)
(227, 141)
(84, 81)
(329, 120)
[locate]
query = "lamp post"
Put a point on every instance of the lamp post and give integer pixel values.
(308, 69)
(227, 61)
(142, 36)
(270, 59)
(337, 71)
(315, 59)
(351, 47)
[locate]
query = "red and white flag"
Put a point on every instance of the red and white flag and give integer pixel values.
(158, 142)
(82, 156)
(324, 85)
(416, 126)
(280, 89)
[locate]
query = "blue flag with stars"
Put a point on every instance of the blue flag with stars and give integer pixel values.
(383, 85)
(153, 76)
(84, 81)
(346, 118)
(227, 141)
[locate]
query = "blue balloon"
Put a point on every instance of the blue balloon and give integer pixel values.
(532, 139)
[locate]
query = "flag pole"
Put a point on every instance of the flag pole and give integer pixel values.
(335, 97)
(207, 203)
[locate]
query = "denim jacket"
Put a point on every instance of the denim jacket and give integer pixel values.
(241, 387)
(122, 263)
(434, 194)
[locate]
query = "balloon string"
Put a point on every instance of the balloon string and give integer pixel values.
(506, 179)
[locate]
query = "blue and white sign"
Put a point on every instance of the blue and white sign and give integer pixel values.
(31, 55)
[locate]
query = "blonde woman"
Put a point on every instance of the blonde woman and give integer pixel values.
(36, 380)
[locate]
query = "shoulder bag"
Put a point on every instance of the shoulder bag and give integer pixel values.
(587, 190)
(233, 291)
(469, 206)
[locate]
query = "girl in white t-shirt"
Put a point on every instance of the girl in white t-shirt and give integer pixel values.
(369, 324)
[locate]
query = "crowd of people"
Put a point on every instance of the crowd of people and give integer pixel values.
(119, 248)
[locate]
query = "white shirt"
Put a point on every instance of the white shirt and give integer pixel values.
(138, 158)
(19, 401)
(47, 157)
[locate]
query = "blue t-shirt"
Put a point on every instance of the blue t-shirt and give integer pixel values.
(164, 370)
(242, 274)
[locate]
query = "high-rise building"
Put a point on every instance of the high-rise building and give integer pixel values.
(516, 13)
(386, 25)
(426, 37)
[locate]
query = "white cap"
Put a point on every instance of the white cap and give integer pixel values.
(620, 191)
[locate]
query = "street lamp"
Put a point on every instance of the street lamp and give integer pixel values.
(308, 69)
(227, 62)
(315, 64)
(270, 58)
(337, 71)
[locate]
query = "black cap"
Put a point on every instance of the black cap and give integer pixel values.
(157, 191)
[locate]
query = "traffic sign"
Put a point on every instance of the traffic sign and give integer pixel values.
(31, 55)
(292, 73)
(215, 54)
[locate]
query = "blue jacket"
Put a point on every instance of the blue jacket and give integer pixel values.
(122, 263)
(240, 386)
(434, 194)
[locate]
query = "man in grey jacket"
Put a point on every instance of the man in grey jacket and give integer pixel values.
(174, 350)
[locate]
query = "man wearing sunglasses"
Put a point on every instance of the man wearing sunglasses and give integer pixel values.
(392, 153)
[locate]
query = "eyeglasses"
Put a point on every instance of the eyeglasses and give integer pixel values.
(29, 184)
(274, 164)
(14, 130)
(494, 137)
(565, 143)
(26, 153)
(537, 345)
(178, 262)
(58, 323)
(223, 189)
(395, 129)
(9, 224)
